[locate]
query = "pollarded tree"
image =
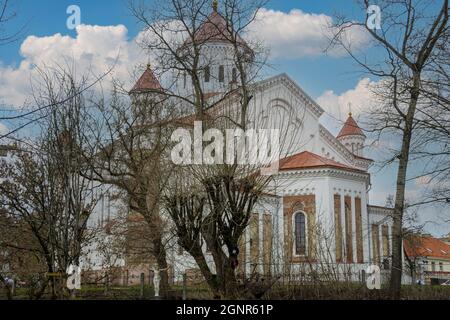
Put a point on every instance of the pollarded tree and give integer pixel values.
(211, 73)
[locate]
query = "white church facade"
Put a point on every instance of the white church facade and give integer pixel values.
(317, 213)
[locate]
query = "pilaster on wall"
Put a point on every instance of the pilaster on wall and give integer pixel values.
(348, 228)
(359, 231)
(267, 248)
(338, 228)
(365, 227)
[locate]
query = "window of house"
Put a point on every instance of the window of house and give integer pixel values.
(441, 266)
(207, 73)
(300, 233)
(184, 79)
(433, 266)
(221, 73)
(234, 75)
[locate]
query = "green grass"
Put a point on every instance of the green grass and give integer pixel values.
(337, 291)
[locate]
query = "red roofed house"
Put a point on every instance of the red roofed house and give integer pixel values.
(427, 259)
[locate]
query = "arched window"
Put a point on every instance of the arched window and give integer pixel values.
(207, 74)
(234, 75)
(221, 73)
(300, 233)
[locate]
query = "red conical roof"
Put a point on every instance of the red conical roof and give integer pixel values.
(215, 28)
(147, 82)
(350, 128)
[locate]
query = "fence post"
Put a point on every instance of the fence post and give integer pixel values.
(184, 285)
(142, 285)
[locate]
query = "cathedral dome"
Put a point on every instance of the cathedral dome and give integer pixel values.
(147, 82)
(350, 128)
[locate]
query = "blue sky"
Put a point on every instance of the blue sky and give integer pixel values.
(327, 78)
(315, 74)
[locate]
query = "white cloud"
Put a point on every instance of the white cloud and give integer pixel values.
(94, 50)
(299, 34)
(3, 128)
(361, 99)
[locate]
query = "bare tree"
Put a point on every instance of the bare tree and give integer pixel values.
(7, 14)
(134, 137)
(43, 185)
(412, 39)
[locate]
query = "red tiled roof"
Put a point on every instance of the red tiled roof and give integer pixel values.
(215, 28)
(146, 82)
(307, 160)
(421, 246)
(350, 128)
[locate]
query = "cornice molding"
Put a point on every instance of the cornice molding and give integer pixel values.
(326, 172)
(379, 210)
(284, 79)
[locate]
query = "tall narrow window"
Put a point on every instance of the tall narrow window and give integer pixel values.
(184, 79)
(234, 75)
(221, 73)
(207, 73)
(300, 234)
(433, 266)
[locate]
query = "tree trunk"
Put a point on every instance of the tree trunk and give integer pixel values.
(160, 254)
(397, 227)
(231, 290)
(211, 279)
